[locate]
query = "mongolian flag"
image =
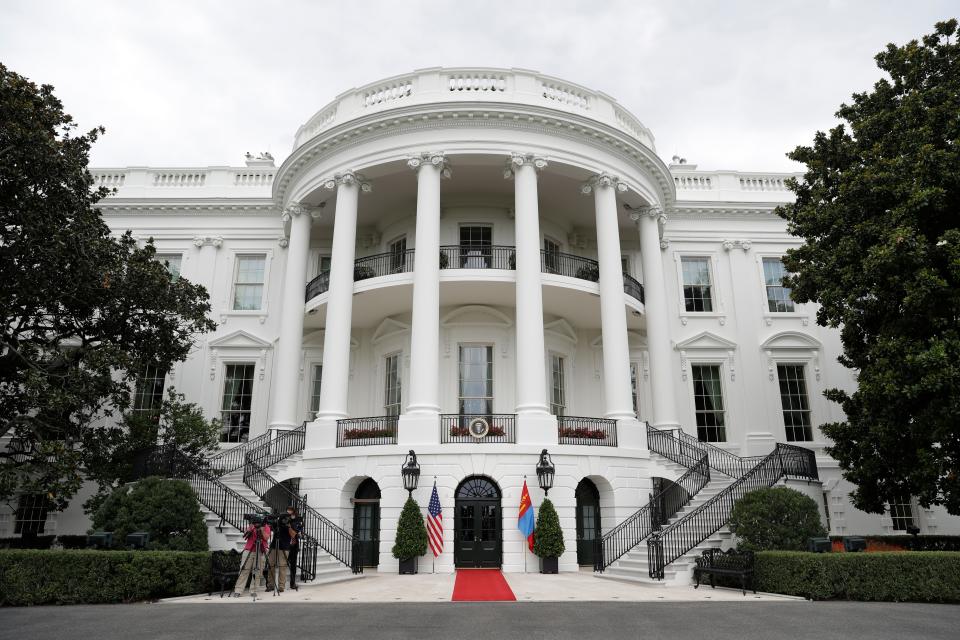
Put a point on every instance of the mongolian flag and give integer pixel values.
(525, 519)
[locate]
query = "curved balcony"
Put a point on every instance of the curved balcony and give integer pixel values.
(567, 264)
(632, 288)
(454, 256)
(381, 264)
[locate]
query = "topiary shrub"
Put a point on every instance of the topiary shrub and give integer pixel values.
(548, 536)
(167, 509)
(411, 532)
(778, 518)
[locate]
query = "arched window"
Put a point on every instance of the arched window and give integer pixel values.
(478, 487)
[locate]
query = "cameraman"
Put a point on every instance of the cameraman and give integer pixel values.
(285, 547)
(256, 535)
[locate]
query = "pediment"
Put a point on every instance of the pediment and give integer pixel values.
(705, 340)
(561, 329)
(476, 315)
(239, 339)
(389, 328)
(790, 340)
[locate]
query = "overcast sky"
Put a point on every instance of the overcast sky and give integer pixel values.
(728, 85)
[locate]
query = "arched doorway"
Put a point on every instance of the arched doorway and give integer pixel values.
(588, 520)
(366, 521)
(478, 525)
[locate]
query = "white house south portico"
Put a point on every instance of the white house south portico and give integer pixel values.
(476, 265)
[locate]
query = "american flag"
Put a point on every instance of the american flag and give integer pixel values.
(435, 523)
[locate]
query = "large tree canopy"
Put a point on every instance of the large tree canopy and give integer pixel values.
(878, 209)
(83, 312)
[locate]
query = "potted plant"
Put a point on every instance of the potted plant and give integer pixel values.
(589, 272)
(444, 260)
(548, 540)
(411, 537)
(363, 272)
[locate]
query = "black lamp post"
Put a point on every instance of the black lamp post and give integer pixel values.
(411, 473)
(545, 471)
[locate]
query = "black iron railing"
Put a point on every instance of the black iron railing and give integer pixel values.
(357, 432)
(454, 256)
(234, 458)
(284, 444)
(632, 288)
(677, 445)
(662, 506)
(566, 264)
(478, 427)
(597, 432)
(320, 284)
(678, 538)
(382, 264)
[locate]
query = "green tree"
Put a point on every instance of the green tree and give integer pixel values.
(411, 532)
(167, 509)
(878, 211)
(548, 536)
(778, 518)
(83, 312)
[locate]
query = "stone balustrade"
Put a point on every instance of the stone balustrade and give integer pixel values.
(693, 185)
(206, 182)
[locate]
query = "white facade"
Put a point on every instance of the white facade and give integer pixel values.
(519, 182)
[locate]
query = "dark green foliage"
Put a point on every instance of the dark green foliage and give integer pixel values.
(548, 536)
(411, 532)
(878, 211)
(776, 518)
(167, 509)
(82, 312)
(921, 576)
(89, 577)
(36, 542)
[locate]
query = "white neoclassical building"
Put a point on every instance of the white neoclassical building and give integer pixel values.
(479, 264)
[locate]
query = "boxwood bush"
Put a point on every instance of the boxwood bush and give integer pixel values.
(33, 577)
(927, 576)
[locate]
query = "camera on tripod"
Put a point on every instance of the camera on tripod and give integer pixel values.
(274, 521)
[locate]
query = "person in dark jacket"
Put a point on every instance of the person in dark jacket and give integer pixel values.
(283, 555)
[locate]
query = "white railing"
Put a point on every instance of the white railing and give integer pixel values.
(254, 178)
(752, 186)
(109, 180)
(693, 183)
(187, 182)
(472, 85)
(179, 179)
(764, 183)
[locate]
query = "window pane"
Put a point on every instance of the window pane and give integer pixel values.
(149, 390)
(173, 261)
(793, 399)
(248, 283)
(476, 379)
(391, 391)
(558, 393)
(31, 515)
(901, 513)
(398, 255)
(708, 403)
(778, 296)
(634, 383)
(697, 288)
(315, 390)
(237, 400)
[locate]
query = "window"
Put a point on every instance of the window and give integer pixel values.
(901, 513)
(172, 262)
(32, 509)
(398, 255)
(625, 264)
(237, 398)
(475, 247)
(315, 390)
(558, 396)
(708, 403)
(778, 296)
(391, 385)
(476, 379)
(634, 387)
(149, 390)
(551, 255)
(796, 406)
(248, 283)
(697, 291)
(323, 265)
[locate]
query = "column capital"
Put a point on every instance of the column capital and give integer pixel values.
(434, 158)
(348, 178)
(517, 160)
(652, 211)
(730, 245)
(296, 209)
(603, 180)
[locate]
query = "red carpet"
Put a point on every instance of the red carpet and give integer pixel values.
(480, 585)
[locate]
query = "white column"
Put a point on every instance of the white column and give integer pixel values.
(424, 394)
(336, 340)
(658, 328)
(530, 351)
(613, 315)
(286, 383)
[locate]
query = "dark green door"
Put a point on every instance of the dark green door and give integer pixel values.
(588, 521)
(366, 521)
(478, 525)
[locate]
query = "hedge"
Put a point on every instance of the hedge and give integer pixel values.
(929, 576)
(32, 577)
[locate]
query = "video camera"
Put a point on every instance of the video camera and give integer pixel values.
(274, 521)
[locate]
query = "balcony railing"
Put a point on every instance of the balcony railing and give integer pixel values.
(454, 256)
(632, 288)
(479, 428)
(567, 264)
(596, 432)
(381, 264)
(358, 432)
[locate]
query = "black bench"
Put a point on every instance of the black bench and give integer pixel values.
(225, 569)
(726, 563)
